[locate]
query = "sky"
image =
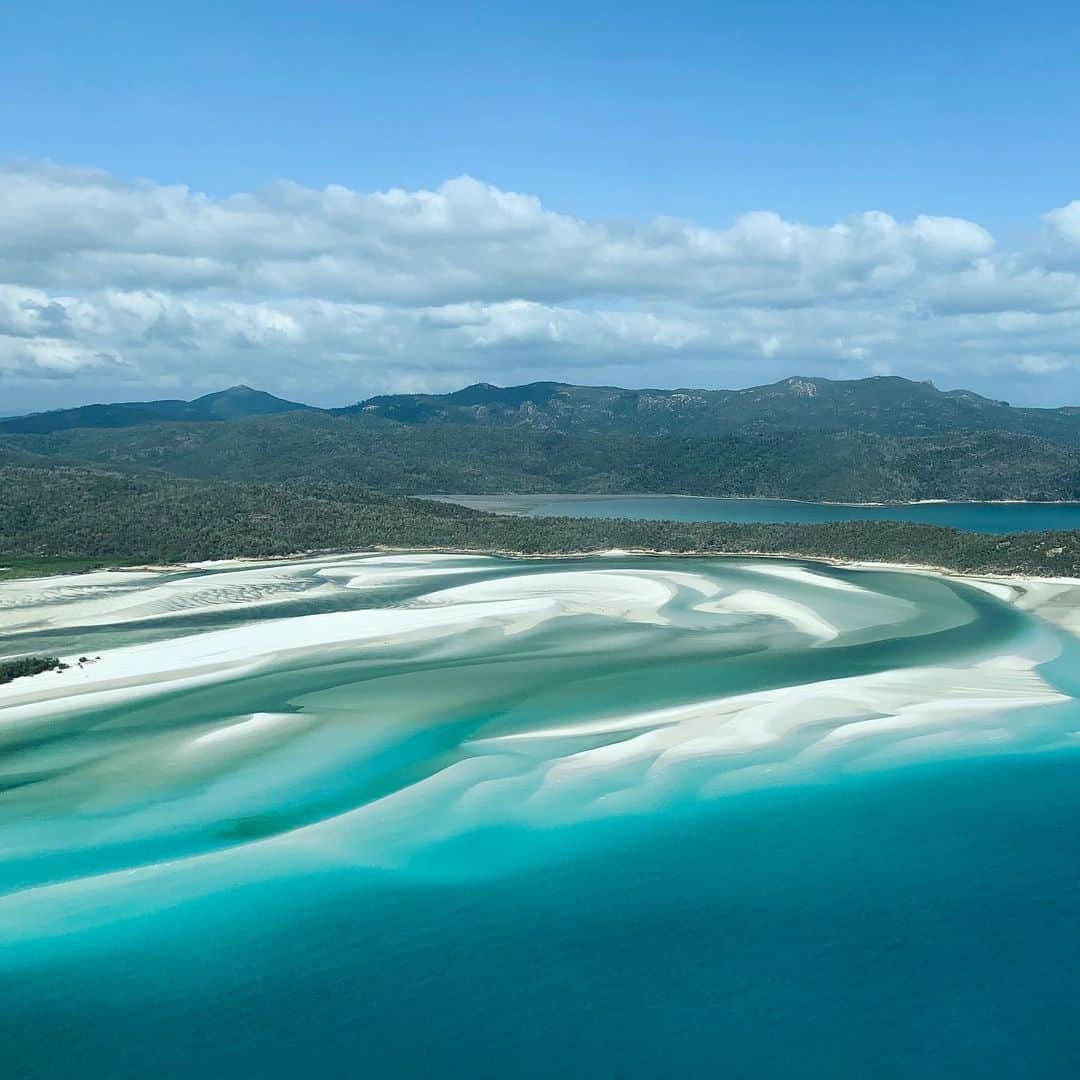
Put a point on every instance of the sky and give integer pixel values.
(331, 200)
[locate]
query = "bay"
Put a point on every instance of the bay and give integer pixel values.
(969, 516)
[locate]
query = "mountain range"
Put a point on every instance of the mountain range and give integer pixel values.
(880, 439)
(883, 405)
(232, 404)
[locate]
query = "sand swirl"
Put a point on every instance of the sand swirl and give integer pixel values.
(442, 696)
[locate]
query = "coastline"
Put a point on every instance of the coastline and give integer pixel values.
(995, 581)
(962, 539)
(514, 604)
(507, 553)
(544, 766)
(252, 561)
(457, 499)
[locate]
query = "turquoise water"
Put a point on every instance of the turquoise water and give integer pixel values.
(972, 517)
(914, 925)
(599, 817)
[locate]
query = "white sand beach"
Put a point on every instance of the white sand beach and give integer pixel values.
(518, 676)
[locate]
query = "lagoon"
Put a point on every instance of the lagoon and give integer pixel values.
(969, 516)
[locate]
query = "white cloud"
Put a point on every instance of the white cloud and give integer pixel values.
(336, 293)
(1035, 364)
(1064, 225)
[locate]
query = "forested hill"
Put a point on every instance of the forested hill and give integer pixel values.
(870, 440)
(54, 518)
(885, 405)
(458, 459)
(231, 404)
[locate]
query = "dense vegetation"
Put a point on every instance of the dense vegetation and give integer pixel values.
(869, 440)
(231, 404)
(28, 665)
(459, 459)
(884, 405)
(56, 513)
(244, 473)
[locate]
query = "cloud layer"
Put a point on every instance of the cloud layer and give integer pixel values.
(109, 287)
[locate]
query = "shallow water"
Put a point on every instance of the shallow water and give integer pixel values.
(476, 817)
(971, 517)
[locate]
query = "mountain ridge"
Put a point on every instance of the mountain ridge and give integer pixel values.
(887, 405)
(233, 403)
(882, 404)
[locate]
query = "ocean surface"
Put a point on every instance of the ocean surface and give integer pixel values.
(972, 517)
(403, 816)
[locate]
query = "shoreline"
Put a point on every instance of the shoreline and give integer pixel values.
(710, 741)
(899, 504)
(252, 561)
(187, 660)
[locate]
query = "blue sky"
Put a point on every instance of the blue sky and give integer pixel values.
(609, 114)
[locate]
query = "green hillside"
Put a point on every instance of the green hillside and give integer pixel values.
(56, 514)
(458, 459)
(885, 405)
(231, 404)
